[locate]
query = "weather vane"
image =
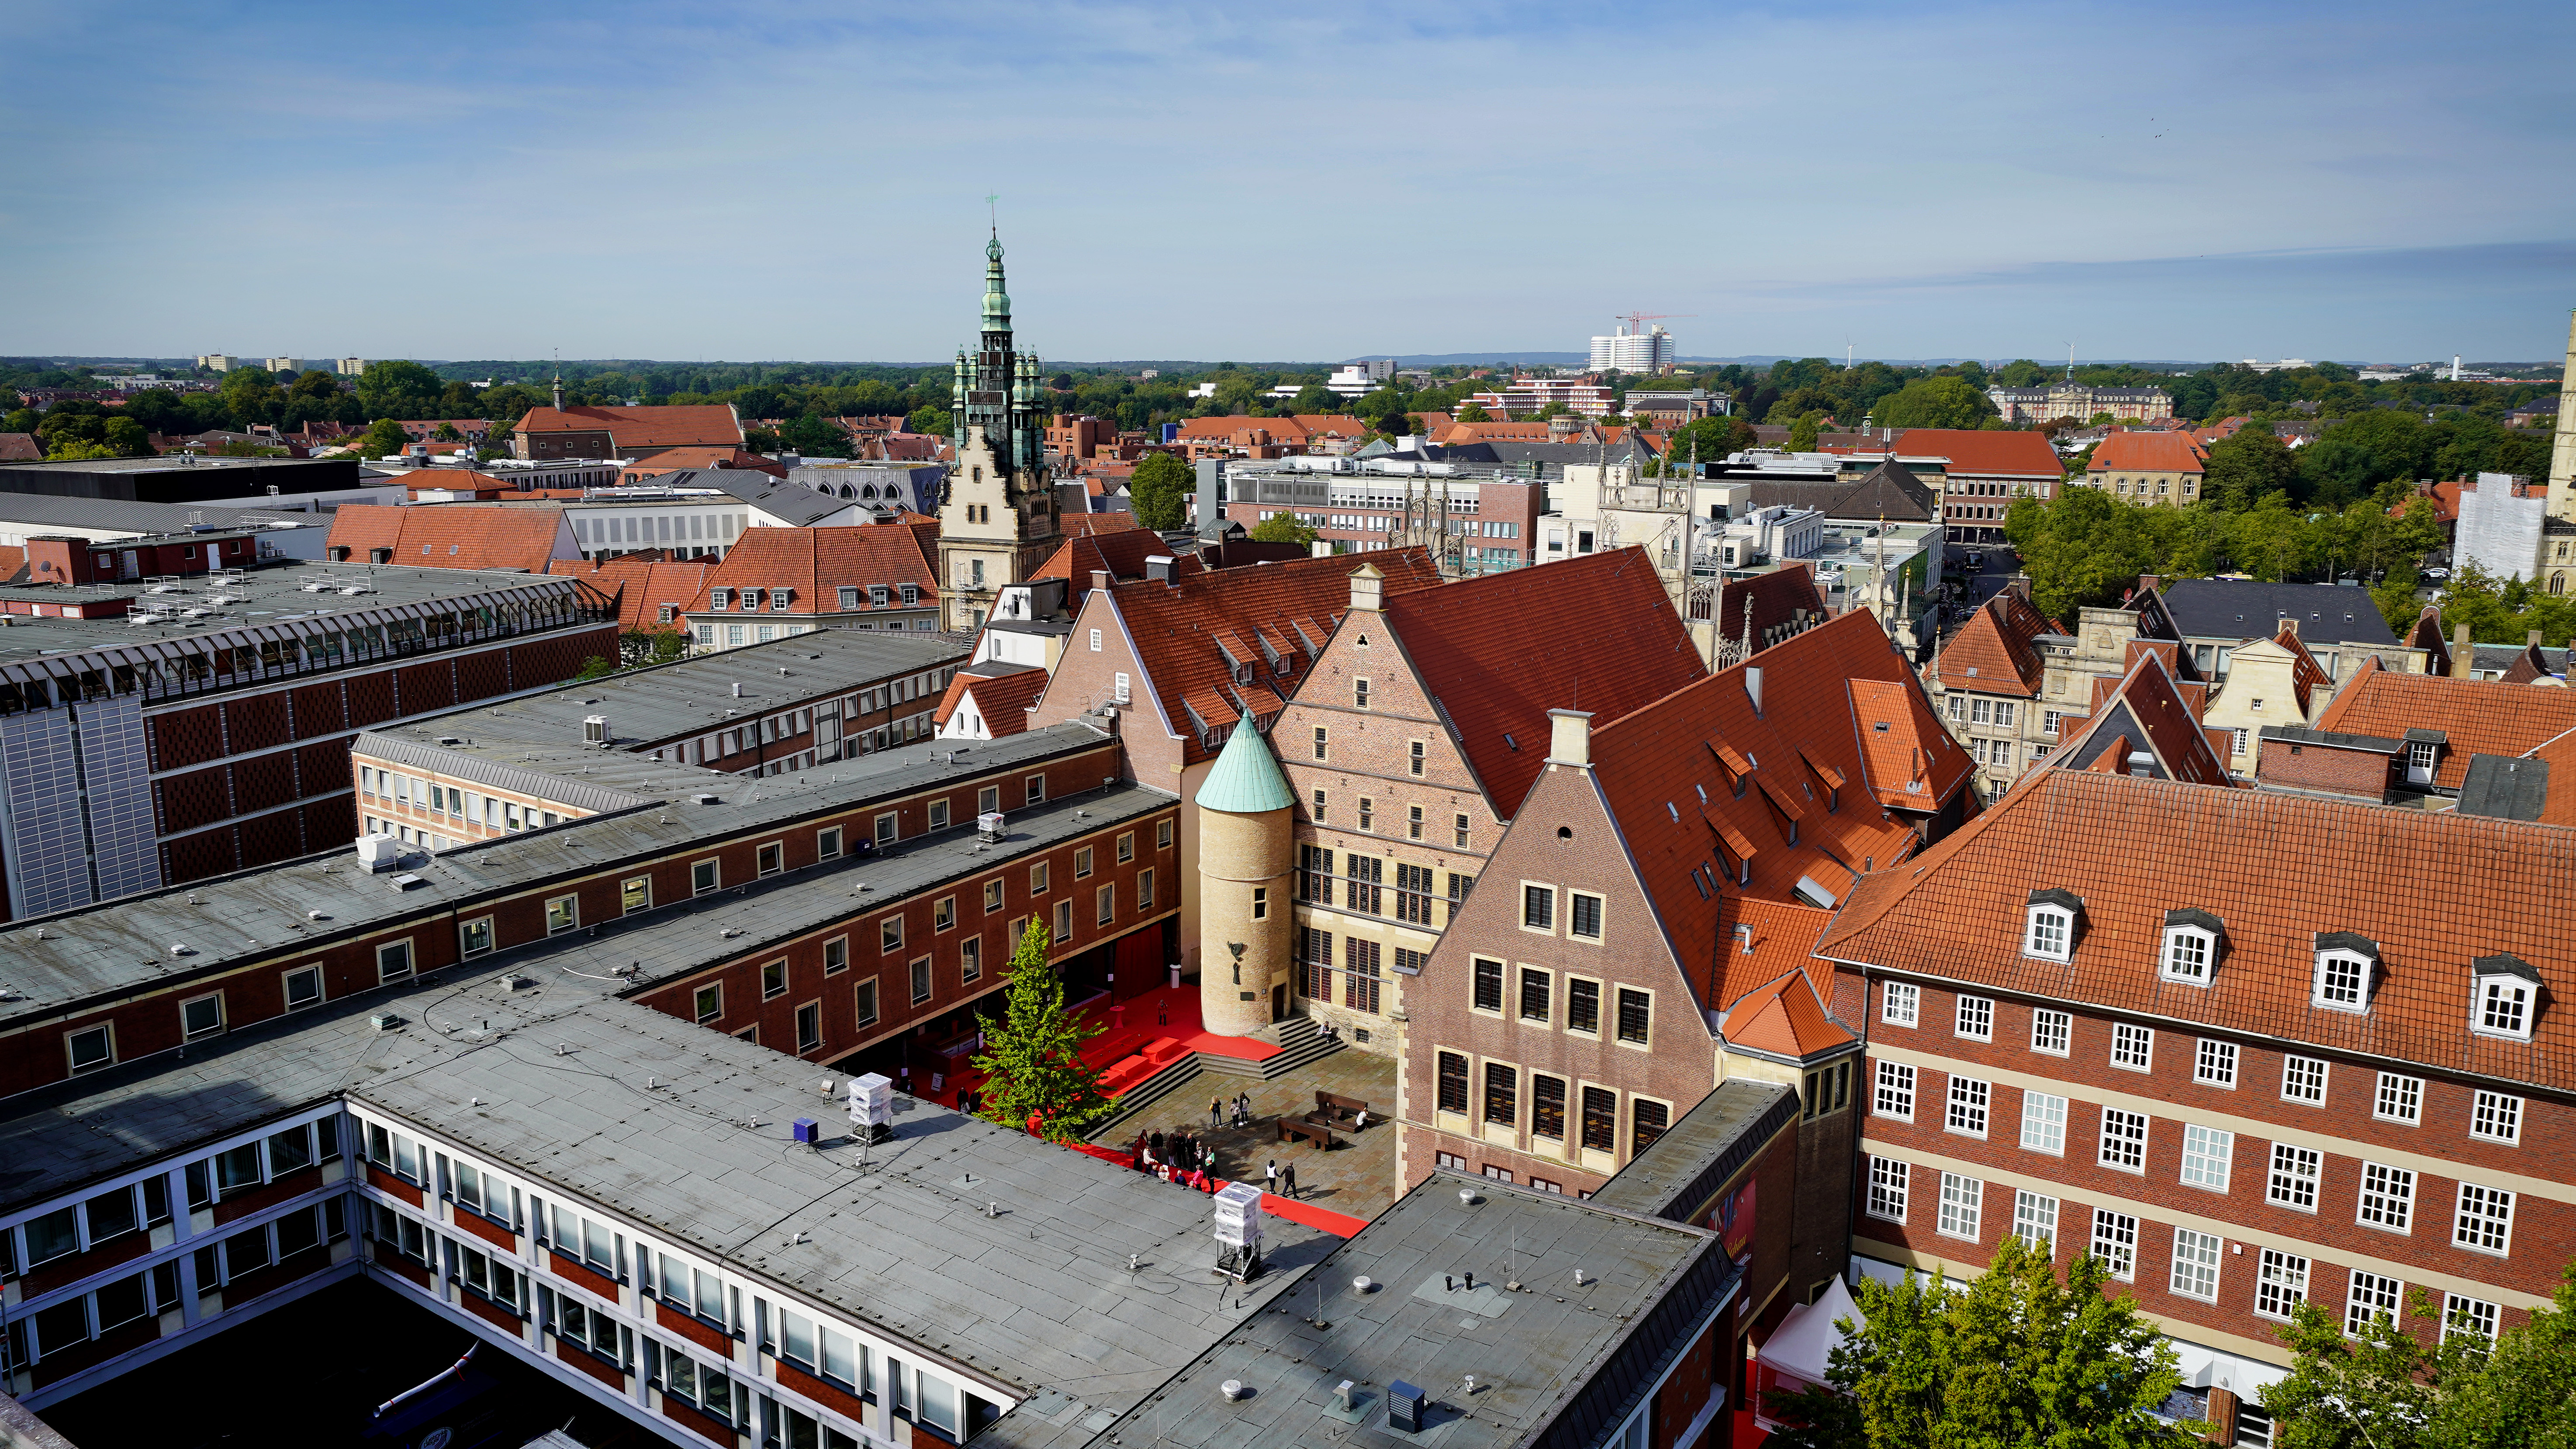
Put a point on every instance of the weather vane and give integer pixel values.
(990, 198)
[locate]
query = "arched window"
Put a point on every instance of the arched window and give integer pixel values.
(2558, 582)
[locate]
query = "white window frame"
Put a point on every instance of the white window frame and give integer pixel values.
(2133, 1047)
(2496, 1117)
(1901, 1004)
(2387, 1198)
(2295, 1086)
(2214, 1064)
(2124, 1141)
(2043, 1123)
(2048, 932)
(2280, 1283)
(2296, 1173)
(2210, 1153)
(2399, 1098)
(2507, 991)
(2115, 1242)
(2482, 1222)
(1963, 1206)
(2329, 992)
(2372, 1294)
(1890, 1180)
(1975, 1018)
(2047, 1022)
(2196, 1254)
(2180, 940)
(1892, 1096)
(2035, 1219)
(2464, 1314)
(1971, 1107)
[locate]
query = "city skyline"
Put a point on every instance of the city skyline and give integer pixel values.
(811, 184)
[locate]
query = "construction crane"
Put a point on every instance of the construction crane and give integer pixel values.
(1633, 318)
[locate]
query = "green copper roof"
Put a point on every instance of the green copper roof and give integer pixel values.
(1245, 780)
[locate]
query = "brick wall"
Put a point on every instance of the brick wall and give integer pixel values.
(2363, 774)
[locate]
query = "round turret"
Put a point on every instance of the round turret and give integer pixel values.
(1247, 847)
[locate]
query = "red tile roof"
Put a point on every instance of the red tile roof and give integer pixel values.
(2558, 807)
(1758, 940)
(1121, 553)
(451, 535)
(1703, 786)
(2477, 716)
(1992, 653)
(642, 427)
(1784, 1017)
(1174, 625)
(1914, 758)
(2148, 453)
(2278, 870)
(2306, 675)
(671, 460)
(1782, 600)
(1497, 652)
(818, 562)
(1984, 453)
(1002, 699)
(20, 448)
(640, 585)
(1094, 524)
(2146, 710)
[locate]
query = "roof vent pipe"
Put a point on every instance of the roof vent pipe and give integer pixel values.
(2142, 764)
(737, 689)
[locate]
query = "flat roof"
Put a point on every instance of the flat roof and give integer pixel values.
(1549, 1354)
(230, 921)
(1714, 1140)
(249, 600)
(39, 511)
(169, 463)
(59, 1137)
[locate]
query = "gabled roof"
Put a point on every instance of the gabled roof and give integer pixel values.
(1758, 940)
(1670, 774)
(1986, 452)
(2148, 713)
(1173, 628)
(818, 562)
(642, 427)
(2475, 716)
(1993, 654)
(2251, 609)
(2148, 453)
(1496, 653)
(451, 535)
(1784, 1017)
(1095, 524)
(2306, 675)
(2278, 869)
(1909, 759)
(1784, 598)
(1121, 553)
(20, 448)
(638, 585)
(1002, 692)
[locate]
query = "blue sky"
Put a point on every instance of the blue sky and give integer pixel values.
(783, 180)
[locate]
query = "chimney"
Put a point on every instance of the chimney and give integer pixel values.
(2142, 764)
(1100, 581)
(1753, 686)
(1209, 497)
(2464, 655)
(2290, 625)
(1323, 548)
(1569, 740)
(1159, 568)
(1368, 589)
(2148, 581)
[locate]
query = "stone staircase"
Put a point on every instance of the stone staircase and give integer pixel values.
(1300, 1042)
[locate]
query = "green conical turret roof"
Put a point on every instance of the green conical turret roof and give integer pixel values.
(1245, 780)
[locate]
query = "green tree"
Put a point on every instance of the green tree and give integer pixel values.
(2081, 547)
(1933, 402)
(2022, 372)
(1283, 527)
(2386, 1390)
(21, 420)
(2018, 1357)
(71, 449)
(929, 419)
(315, 385)
(1314, 397)
(595, 667)
(1710, 440)
(383, 438)
(1474, 413)
(2247, 466)
(1032, 1058)
(128, 438)
(1155, 490)
(1802, 433)
(396, 388)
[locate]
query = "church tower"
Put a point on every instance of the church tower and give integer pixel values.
(997, 511)
(1246, 848)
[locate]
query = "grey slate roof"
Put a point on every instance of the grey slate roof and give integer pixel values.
(794, 504)
(2333, 739)
(2234, 609)
(2502, 785)
(55, 1139)
(255, 915)
(37, 512)
(1714, 1140)
(1554, 1364)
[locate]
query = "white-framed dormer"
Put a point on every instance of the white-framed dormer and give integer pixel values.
(2188, 953)
(2050, 924)
(2346, 966)
(2504, 997)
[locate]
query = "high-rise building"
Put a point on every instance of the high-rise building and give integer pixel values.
(1625, 350)
(997, 515)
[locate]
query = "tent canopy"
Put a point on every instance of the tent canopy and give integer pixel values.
(1803, 1343)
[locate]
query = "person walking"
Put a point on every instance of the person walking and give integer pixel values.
(1270, 1177)
(1288, 1180)
(1216, 1113)
(1156, 1143)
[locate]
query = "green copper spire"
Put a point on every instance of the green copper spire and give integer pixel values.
(1246, 780)
(997, 303)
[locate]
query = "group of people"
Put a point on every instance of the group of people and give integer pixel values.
(1175, 1157)
(1241, 1107)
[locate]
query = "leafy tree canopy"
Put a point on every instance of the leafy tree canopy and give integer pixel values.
(1283, 527)
(1934, 402)
(2386, 1390)
(1156, 490)
(1032, 1058)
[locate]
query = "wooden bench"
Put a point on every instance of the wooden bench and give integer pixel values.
(1292, 1130)
(1338, 1108)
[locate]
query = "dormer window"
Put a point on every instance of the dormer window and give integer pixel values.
(2048, 931)
(719, 598)
(2506, 998)
(2344, 965)
(2191, 943)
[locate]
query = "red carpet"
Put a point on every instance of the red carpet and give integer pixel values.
(1140, 1036)
(1340, 1225)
